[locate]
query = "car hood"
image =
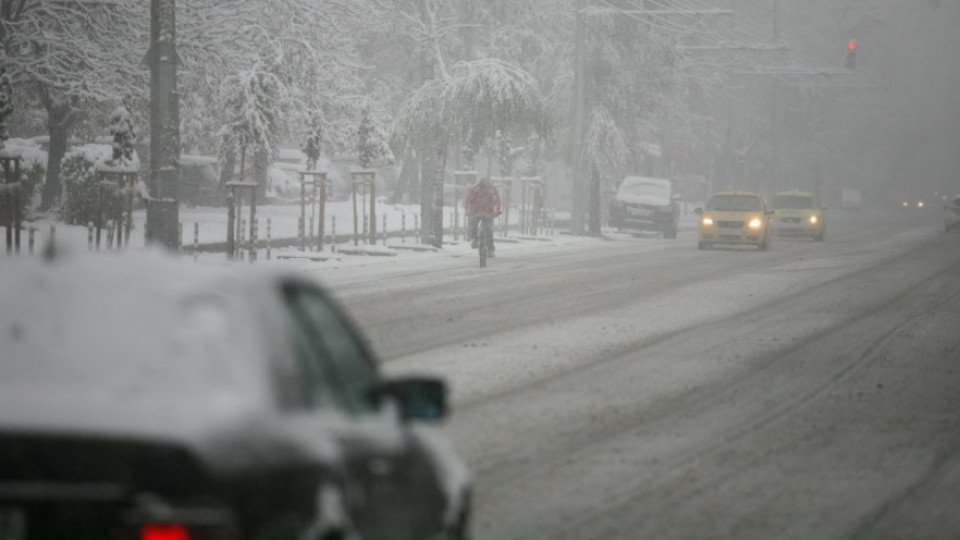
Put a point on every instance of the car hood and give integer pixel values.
(646, 200)
(728, 215)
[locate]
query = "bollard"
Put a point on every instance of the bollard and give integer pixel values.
(268, 238)
(53, 237)
(416, 227)
(90, 236)
(454, 224)
(179, 235)
(383, 229)
(333, 234)
(110, 235)
(30, 239)
(403, 228)
(196, 239)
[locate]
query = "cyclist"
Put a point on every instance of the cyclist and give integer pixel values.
(482, 202)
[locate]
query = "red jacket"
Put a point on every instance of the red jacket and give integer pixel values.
(482, 200)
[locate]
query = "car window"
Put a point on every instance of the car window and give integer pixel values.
(334, 352)
(735, 203)
(794, 202)
(317, 379)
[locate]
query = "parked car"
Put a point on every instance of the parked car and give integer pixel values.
(798, 213)
(200, 181)
(951, 213)
(144, 398)
(646, 204)
(734, 218)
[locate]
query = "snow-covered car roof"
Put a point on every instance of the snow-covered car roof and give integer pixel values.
(639, 180)
(145, 331)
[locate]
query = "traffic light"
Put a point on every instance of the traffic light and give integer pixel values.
(851, 54)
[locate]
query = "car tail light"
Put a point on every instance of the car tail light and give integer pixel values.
(154, 531)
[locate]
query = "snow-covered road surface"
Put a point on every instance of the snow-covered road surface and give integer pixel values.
(640, 388)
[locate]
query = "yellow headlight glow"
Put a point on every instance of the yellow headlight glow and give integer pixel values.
(814, 220)
(755, 223)
(707, 221)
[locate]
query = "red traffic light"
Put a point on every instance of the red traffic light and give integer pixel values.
(852, 45)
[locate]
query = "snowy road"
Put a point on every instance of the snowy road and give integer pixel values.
(640, 388)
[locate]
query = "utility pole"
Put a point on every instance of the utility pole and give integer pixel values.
(774, 113)
(576, 167)
(163, 207)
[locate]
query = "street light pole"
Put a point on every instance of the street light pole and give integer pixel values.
(162, 59)
(576, 154)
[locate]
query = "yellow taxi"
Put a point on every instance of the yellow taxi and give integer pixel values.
(798, 213)
(734, 218)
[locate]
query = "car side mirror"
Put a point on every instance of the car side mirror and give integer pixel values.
(698, 211)
(419, 398)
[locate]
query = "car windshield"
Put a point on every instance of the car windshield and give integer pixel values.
(735, 203)
(659, 189)
(793, 202)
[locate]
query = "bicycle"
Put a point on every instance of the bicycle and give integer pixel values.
(484, 236)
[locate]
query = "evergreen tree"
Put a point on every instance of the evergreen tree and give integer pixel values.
(312, 145)
(124, 135)
(6, 104)
(371, 141)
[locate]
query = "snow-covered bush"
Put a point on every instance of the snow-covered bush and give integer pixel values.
(78, 172)
(33, 169)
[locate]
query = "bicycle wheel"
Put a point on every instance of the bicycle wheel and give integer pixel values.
(482, 243)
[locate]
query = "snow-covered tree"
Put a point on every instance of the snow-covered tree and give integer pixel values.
(124, 135)
(69, 54)
(371, 141)
(6, 104)
(487, 95)
(312, 145)
(253, 103)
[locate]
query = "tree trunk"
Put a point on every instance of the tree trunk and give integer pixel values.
(406, 182)
(229, 157)
(426, 195)
(60, 121)
(261, 162)
(594, 211)
(436, 222)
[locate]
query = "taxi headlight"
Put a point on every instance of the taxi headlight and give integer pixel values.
(814, 220)
(755, 223)
(707, 221)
